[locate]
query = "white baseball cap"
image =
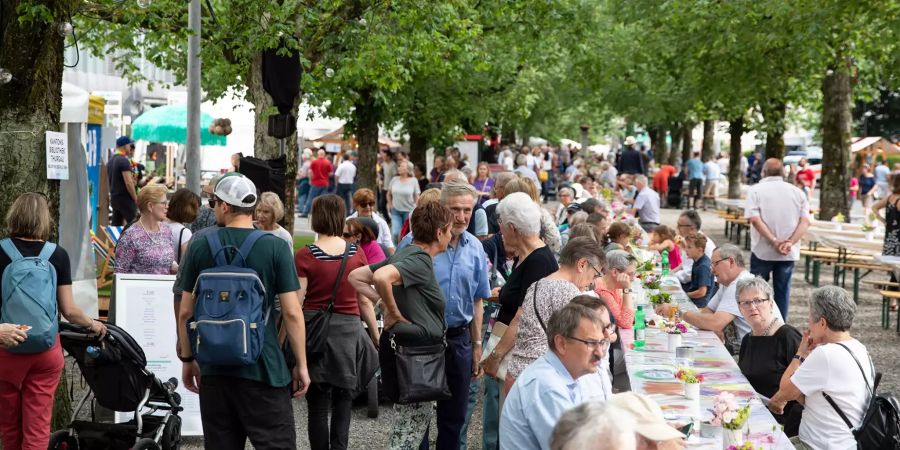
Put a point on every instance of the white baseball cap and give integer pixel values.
(648, 416)
(236, 190)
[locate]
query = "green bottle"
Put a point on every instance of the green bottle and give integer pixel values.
(639, 327)
(665, 263)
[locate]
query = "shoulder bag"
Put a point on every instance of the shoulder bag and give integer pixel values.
(413, 373)
(318, 325)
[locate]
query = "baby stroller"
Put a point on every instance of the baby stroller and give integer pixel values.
(115, 370)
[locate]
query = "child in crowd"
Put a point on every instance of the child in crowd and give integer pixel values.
(618, 237)
(700, 288)
(663, 238)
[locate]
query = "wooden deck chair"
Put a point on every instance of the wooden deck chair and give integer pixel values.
(105, 260)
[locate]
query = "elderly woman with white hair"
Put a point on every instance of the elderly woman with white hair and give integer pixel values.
(829, 364)
(768, 349)
(594, 426)
(269, 211)
(520, 227)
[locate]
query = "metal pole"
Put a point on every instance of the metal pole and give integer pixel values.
(192, 159)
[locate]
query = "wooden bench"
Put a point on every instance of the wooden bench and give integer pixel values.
(886, 297)
(841, 268)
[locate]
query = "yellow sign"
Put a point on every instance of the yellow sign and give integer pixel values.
(96, 106)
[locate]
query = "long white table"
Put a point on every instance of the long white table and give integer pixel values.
(651, 371)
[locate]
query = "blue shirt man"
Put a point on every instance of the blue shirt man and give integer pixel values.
(695, 169)
(462, 273)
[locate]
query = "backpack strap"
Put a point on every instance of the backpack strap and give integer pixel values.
(838, 410)
(215, 247)
(248, 243)
(10, 249)
(218, 251)
(865, 380)
(534, 305)
(47, 251)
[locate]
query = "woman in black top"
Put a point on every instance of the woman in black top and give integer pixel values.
(520, 225)
(768, 349)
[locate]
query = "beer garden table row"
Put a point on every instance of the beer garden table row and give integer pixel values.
(651, 371)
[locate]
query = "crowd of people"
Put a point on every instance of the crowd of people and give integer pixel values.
(525, 303)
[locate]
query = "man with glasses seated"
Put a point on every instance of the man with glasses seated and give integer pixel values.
(578, 337)
(722, 309)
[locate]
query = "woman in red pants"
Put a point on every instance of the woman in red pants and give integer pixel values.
(28, 380)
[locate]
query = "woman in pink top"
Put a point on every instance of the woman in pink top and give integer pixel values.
(615, 289)
(356, 232)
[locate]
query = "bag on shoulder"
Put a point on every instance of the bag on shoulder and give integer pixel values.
(318, 326)
(29, 297)
(412, 374)
(230, 311)
(880, 427)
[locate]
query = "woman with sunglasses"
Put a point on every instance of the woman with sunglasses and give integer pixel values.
(364, 204)
(581, 261)
(768, 349)
(146, 245)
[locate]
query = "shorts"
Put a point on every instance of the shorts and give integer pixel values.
(694, 188)
(709, 189)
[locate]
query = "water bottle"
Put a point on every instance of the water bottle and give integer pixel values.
(665, 263)
(93, 352)
(639, 327)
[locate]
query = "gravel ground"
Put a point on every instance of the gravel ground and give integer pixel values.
(369, 433)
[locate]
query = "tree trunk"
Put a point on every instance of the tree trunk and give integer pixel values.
(774, 114)
(687, 142)
(836, 126)
(267, 147)
(29, 106)
(709, 135)
(658, 136)
(734, 166)
(418, 146)
(677, 136)
(365, 121)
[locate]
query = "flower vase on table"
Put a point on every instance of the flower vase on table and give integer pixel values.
(732, 438)
(731, 417)
(691, 380)
(674, 341)
(673, 329)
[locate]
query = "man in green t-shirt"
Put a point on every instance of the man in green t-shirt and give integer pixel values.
(246, 401)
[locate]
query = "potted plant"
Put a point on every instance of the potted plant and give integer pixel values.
(731, 417)
(838, 221)
(645, 266)
(660, 298)
(691, 380)
(869, 229)
(651, 283)
(673, 329)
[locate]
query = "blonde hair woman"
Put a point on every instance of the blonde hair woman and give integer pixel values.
(146, 246)
(28, 381)
(269, 211)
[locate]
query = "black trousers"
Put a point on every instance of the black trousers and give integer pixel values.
(321, 399)
(234, 409)
(124, 211)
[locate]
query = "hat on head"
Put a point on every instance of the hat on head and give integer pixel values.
(236, 190)
(629, 140)
(647, 415)
(573, 207)
(123, 140)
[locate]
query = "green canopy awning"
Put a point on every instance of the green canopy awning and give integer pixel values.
(169, 124)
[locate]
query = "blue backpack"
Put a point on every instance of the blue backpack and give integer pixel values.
(29, 297)
(230, 312)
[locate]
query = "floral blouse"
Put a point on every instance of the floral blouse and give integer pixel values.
(141, 251)
(531, 341)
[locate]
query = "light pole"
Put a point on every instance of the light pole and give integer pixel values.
(192, 159)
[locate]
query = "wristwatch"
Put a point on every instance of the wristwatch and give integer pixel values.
(186, 359)
(476, 343)
(626, 290)
(799, 358)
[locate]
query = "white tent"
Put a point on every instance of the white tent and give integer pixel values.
(599, 149)
(571, 143)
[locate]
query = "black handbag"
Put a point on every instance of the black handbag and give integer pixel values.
(412, 374)
(318, 325)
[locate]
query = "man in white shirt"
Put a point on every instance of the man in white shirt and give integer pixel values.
(711, 173)
(345, 176)
(828, 361)
(779, 215)
(646, 204)
(523, 169)
(689, 223)
(722, 309)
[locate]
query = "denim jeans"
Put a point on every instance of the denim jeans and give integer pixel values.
(397, 219)
(781, 272)
(451, 413)
(345, 191)
(314, 191)
(322, 399)
(491, 400)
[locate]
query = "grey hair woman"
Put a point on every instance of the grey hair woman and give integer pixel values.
(768, 349)
(828, 360)
(520, 227)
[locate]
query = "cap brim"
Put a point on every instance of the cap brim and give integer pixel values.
(658, 432)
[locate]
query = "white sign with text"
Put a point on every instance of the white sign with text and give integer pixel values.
(57, 156)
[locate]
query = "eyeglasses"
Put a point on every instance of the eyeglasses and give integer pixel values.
(366, 204)
(212, 202)
(591, 344)
(596, 272)
(717, 262)
(684, 226)
(348, 235)
(756, 301)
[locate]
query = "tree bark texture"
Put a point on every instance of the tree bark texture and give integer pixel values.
(267, 147)
(736, 129)
(418, 146)
(677, 136)
(29, 106)
(658, 138)
(774, 114)
(365, 121)
(687, 141)
(836, 127)
(709, 135)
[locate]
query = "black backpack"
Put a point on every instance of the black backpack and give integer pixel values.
(880, 427)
